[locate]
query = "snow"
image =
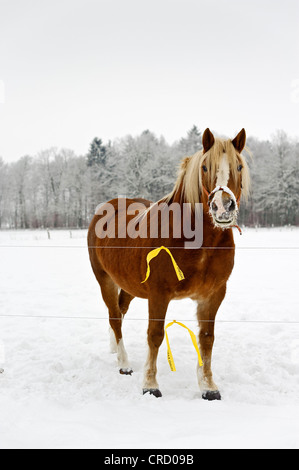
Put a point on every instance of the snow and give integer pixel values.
(61, 387)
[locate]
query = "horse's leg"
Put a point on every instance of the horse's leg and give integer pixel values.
(110, 296)
(157, 312)
(206, 314)
(124, 300)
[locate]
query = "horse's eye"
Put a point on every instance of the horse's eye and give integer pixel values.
(240, 167)
(204, 168)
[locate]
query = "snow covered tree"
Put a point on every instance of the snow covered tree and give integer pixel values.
(97, 153)
(145, 166)
(3, 191)
(60, 189)
(19, 191)
(283, 160)
(192, 143)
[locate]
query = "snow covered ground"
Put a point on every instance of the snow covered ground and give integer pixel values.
(61, 387)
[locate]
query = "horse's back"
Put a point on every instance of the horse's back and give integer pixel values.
(118, 205)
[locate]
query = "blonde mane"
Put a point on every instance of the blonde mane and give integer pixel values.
(189, 179)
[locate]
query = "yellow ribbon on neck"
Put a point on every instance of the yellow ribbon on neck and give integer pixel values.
(169, 353)
(152, 254)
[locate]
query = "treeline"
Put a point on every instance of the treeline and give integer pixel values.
(57, 188)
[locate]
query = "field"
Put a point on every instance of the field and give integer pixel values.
(61, 387)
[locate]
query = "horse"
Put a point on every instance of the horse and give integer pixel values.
(214, 179)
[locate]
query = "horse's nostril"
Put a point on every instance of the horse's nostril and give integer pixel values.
(214, 207)
(232, 205)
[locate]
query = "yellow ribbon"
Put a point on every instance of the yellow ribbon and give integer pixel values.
(152, 254)
(169, 353)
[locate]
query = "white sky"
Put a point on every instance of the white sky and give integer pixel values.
(71, 70)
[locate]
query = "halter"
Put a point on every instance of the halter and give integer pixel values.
(227, 190)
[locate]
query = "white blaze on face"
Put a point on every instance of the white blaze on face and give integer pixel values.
(223, 172)
(222, 180)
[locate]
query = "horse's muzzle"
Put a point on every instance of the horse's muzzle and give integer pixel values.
(223, 209)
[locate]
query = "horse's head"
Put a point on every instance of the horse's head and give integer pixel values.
(224, 176)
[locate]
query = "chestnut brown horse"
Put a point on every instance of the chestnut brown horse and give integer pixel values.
(214, 179)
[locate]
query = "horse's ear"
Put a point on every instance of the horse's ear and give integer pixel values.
(207, 140)
(239, 141)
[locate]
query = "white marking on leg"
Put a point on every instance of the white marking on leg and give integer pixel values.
(122, 357)
(205, 383)
(113, 344)
(150, 371)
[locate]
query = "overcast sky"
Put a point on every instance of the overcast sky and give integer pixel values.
(71, 70)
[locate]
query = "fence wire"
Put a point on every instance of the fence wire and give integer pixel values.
(62, 317)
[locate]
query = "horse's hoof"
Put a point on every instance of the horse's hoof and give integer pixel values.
(211, 395)
(127, 371)
(1, 371)
(152, 391)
